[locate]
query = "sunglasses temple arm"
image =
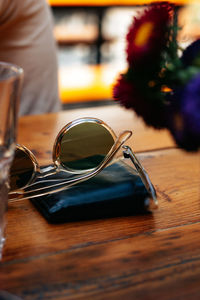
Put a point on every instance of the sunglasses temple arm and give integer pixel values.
(153, 202)
(59, 186)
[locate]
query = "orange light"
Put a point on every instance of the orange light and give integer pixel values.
(110, 2)
(143, 34)
(87, 83)
(166, 89)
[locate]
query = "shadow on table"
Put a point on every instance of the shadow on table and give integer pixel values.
(7, 296)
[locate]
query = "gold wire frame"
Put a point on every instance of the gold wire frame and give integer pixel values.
(65, 129)
(151, 202)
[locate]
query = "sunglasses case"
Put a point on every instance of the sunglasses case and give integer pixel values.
(115, 191)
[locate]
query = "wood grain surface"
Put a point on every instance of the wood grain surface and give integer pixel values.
(141, 256)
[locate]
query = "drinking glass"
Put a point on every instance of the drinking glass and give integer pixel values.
(11, 77)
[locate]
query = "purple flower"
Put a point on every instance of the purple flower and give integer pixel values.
(184, 115)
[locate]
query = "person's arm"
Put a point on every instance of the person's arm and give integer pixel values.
(26, 34)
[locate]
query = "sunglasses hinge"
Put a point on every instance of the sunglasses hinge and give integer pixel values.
(47, 171)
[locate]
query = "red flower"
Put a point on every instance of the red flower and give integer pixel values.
(129, 96)
(148, 34)
(140, 88)
(125, 92)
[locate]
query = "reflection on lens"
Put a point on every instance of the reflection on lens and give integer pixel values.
(21, 170)
(85, 145)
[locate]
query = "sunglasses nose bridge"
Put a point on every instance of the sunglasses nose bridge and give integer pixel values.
(57, 148)
(56, 151)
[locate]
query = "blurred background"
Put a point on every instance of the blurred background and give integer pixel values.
(91, 45)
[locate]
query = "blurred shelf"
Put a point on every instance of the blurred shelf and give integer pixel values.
(74, 40)
(78, 26)
(87, 35)
(68, 35)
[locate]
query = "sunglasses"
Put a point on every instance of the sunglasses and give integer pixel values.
(82, 148)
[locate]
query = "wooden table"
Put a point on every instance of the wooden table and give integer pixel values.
(146, 256)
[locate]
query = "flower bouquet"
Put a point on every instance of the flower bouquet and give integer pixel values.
(162, 82)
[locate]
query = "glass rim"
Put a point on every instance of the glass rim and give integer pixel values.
(17, 71)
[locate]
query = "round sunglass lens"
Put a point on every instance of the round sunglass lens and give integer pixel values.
(85, 145)
(21, 171)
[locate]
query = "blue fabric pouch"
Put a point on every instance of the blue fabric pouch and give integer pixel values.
(116, 191)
